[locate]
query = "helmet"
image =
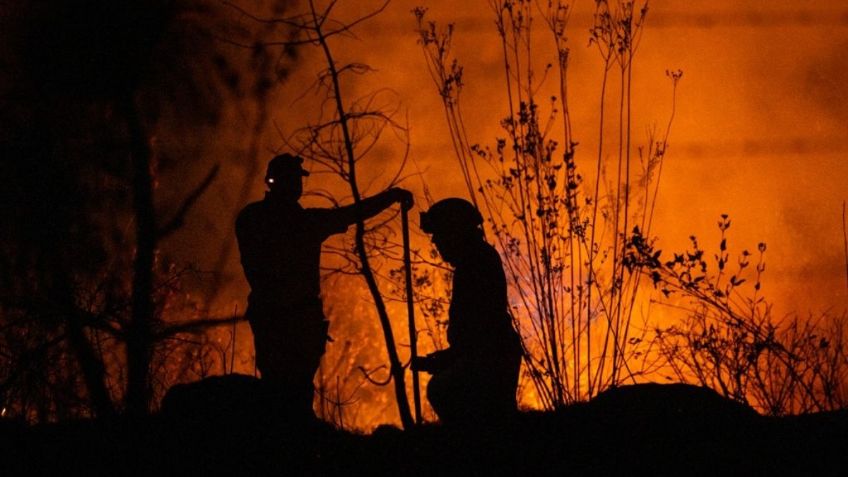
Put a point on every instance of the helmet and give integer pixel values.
(451, 215)
(285, 165)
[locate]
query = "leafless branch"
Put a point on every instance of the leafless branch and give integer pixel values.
(194, 326)
(178, 219)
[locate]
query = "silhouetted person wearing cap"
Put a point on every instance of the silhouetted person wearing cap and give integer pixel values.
(280, 245)
(475, 378)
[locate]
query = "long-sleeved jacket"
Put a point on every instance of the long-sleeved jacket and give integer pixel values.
(479, 325)
(280, 245)
(280, 250)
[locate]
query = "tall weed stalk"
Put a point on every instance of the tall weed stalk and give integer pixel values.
(561, 239)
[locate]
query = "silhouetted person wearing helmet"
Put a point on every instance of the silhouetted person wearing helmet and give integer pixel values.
(280, 245)
(475, 379)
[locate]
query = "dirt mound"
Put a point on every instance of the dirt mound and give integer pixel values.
(225, 425)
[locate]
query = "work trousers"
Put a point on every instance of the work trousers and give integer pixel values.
(289, 343)
(476, 387)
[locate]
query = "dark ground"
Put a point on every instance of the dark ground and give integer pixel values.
(647, 429)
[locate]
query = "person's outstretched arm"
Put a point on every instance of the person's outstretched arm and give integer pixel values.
(371, 206)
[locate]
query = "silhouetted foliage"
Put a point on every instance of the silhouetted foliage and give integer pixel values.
(729, 339)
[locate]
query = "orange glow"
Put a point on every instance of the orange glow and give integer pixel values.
(759, 134)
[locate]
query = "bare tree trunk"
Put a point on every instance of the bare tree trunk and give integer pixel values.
(92, 367)
(138, 333)
(395, 366)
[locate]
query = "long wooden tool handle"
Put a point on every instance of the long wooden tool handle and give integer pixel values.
(410, 310)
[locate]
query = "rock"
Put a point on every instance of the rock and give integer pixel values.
(227, 397)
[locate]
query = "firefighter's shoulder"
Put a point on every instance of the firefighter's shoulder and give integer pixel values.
(250, 213)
